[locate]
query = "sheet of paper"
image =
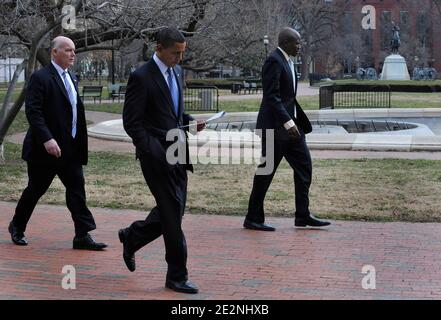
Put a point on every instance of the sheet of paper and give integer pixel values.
(218, 115)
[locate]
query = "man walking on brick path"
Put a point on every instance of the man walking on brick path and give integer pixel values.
(56, 145)
(281, 112)
(154, 106)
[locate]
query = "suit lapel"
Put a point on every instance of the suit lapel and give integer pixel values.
(58, 80)
(159, 78)
(287, 69)
(297, 82)
(74, 81)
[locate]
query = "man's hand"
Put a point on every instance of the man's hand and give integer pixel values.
(52, 148)
(294, 133)
(200, 125)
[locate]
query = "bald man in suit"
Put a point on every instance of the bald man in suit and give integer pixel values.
(281, 112)
(56, 145)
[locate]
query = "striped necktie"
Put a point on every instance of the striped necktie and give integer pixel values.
(71, 96)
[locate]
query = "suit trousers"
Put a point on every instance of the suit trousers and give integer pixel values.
(40, 178)
(169, 188)
(298, 156)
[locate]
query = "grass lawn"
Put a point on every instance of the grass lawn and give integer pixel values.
(388, 82)
(20, 123)
(372, 190)
(398, 100)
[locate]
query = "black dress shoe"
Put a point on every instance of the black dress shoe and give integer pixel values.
(17, 236)
(88, 243)
(129, 257)
(183, 286)
(248, 224)
(310, 221)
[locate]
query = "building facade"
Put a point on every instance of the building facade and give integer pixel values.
(419, 24)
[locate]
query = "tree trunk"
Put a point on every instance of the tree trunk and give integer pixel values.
(7, 115)
(2, 155)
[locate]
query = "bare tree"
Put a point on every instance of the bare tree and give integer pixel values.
(316, 20)
(95, 25)
(350, 50)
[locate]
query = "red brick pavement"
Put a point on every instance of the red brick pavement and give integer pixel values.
(225, 260)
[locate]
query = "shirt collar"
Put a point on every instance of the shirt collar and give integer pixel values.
(284, 54)
(160, 64)
(59, 69)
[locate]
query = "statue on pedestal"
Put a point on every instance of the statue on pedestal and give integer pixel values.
(395, 66)
(395, 42)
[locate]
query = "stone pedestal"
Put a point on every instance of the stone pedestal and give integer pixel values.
(395, 68)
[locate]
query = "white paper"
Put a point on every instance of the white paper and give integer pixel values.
(218, 115)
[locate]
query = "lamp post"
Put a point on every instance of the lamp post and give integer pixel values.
(113, 64)
(265, 43)
(9, 64)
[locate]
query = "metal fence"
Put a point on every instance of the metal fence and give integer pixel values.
(355, 96)
(201, 98)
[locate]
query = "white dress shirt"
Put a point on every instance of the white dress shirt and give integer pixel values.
(164, 69)
(73, 100)
(69, 80)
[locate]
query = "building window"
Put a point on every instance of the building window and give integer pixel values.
(386, 29)
(347, 20)
(404, 26)
(422, 29)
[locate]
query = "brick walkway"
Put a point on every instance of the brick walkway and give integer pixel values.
(225, 260)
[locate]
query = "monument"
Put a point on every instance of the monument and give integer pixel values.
(395, 66)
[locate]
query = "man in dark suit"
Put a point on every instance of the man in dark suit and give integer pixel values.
(56, 145)
(281, 112)
(154, 107)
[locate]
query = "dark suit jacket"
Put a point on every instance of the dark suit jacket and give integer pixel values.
(148, 111)
(279, 98)
(49, 114)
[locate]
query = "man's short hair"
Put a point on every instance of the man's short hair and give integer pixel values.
(167, 37)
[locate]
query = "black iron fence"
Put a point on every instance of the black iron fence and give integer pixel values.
(355, 96)
(201, 98)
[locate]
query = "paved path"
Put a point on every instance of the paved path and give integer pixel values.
(225, 260)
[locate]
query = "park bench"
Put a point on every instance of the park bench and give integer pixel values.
(254, 87)
(246, 87)
(94, 92)
(117, 91)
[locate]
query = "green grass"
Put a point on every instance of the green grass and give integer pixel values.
(15, 95)
(105, 107)
(307, 102)
(385, 82)
(398, 100)
(365, 190)
(20, 124)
